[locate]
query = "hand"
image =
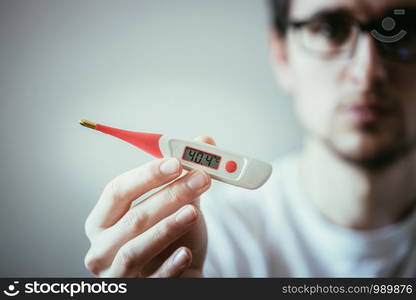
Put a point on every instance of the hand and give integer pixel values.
(163, 235)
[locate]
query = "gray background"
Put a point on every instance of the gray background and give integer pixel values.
(179, 67)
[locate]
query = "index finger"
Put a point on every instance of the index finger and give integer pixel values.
(118, 195)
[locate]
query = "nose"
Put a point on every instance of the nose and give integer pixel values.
(367, 67)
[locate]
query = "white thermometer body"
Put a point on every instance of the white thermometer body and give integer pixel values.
(222, 165)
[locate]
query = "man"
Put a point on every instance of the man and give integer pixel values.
(343, 207)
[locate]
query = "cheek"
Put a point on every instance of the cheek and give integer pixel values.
(404, 79)
(315, 93)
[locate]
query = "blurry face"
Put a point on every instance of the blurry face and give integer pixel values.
(362, 107)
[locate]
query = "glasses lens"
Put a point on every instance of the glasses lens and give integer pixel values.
(329, 36)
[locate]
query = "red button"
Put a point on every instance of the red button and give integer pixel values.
(231, 166)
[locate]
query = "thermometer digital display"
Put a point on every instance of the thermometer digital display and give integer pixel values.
(220, 164)
(200, 157)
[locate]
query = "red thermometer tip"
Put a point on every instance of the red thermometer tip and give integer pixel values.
(148, 142)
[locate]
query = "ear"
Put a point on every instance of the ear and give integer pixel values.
(280, 60)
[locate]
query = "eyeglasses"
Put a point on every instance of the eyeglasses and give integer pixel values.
(334, 35)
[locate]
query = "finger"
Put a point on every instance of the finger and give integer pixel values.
(137, 252)
(163, 203)
(117, 196)
(145, 215)
(206, 140)
(175, 265)
(202, 139)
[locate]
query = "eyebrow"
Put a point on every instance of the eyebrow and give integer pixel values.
(325, 13)
(405, 11)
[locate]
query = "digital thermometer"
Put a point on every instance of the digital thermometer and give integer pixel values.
(220, 164)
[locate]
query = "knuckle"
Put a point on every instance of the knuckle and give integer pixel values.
(177, 194)
(136, 219)
(88, 228)
(171, 193)
(166, 230)
(91, 228)
(93, 262)
(113, 187)
(125, 258)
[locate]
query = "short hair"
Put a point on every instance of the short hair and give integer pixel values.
(280, 15)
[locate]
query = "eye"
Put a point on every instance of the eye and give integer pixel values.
(336, 32)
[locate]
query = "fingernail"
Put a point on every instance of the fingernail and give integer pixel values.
(197, 180)
(180, 258)
(186, 216)
(169, 166)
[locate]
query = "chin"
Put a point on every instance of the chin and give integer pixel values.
(369, 151)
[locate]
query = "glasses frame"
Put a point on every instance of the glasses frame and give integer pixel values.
(359, 29)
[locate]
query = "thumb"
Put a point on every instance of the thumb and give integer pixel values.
(206, 140)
